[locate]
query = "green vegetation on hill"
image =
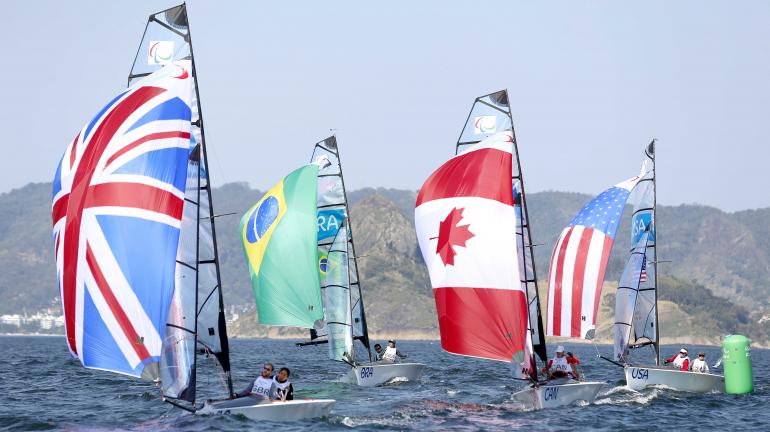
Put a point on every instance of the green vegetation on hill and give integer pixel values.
(717, 258)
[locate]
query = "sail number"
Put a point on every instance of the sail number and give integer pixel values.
(550, 393)
(640, 374)
(367, 372)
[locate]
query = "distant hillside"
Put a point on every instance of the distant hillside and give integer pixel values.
(717, 259)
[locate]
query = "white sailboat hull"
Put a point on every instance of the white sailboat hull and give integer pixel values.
(374, 374)
(257, 409)
(556, 395)
(639, 377)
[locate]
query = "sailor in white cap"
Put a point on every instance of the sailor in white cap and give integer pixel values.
(680, 361)
(392, 354)
(561, 366)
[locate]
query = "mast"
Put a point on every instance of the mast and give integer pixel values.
(166, 39)
(651, 154)
(497, 104)
(224, 355)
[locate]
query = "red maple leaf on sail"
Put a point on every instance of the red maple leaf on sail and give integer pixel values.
(451, 235)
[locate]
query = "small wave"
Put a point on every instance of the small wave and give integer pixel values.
(397, 380)
(628, 397)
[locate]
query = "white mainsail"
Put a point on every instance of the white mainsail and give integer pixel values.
(336, 296)
(636, 321)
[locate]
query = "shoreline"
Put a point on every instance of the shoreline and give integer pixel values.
(423, 336)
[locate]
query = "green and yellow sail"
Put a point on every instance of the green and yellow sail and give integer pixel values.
(279, 235)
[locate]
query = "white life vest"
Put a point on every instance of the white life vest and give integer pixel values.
(390, 355)
(700, 366)
(281, 388)
(560, 364)
(679, 361)
(263, 387)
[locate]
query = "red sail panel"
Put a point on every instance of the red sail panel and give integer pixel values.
(466, 226)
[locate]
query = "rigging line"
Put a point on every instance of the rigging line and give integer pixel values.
(213, 152)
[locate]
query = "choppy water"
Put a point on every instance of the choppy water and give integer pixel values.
(41, 388)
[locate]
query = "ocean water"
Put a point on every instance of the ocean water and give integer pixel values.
(42, 388)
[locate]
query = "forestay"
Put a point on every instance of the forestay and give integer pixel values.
(489, 115)
(333, 212)
(644, 326)
(197, 306)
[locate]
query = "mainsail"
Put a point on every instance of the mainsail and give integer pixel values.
(197, 307)
(489, 115)
(333, 212)
(466, 228)
(636, 315)
(279, 239)
(337, 299)
(117, 211)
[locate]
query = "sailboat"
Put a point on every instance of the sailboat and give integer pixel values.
(473, 230)
(345, 318)
(636, 302)
(279, 241)
(134, 234)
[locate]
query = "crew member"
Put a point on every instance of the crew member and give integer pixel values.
(680, 360)
(263, 386)
(699, 364)
(378, 352)
(562, 365)
(283, 388)
(392, 354)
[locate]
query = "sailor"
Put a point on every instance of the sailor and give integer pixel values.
(680, 360)
(392, 354)
(378, 352)
(699, 364)
(283, 388)
(263, 386)
(562, 365)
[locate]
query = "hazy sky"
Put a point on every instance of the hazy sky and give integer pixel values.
(590, 83)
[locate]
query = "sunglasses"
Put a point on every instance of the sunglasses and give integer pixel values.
(267, 369)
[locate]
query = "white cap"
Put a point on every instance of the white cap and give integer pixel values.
(559, 349)
(683, 351)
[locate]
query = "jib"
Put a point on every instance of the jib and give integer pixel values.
(550, 393)
(640, 374)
